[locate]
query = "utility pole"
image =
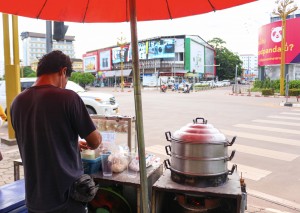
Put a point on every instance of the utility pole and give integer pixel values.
(235, 88)
(249, 92)
(49, 36)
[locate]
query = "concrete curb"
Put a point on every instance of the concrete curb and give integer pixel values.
(283, 103)
(290, 104)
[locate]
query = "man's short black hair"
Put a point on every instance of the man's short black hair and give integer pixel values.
(53, 62)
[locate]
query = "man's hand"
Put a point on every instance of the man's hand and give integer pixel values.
(83, 145)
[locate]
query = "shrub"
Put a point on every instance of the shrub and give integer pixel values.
(257, 84)
(267, 91)
(294, 84)
(294, 92)
(275, 84)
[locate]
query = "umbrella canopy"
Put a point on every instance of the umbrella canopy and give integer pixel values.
(113, 10)
(93, 11)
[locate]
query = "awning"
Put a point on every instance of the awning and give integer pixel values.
(116, 73)
(190, 74)
(176, 73)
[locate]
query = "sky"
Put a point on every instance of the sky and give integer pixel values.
(237, 26)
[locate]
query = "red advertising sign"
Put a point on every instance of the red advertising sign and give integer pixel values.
(269, 43)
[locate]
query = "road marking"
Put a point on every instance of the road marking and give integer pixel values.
(264, 152)
(265, 128)
(277, 122)
(290, 113)
(157, 149)
(249, 172)
(262, 137)
(274, 199)
(284, 117)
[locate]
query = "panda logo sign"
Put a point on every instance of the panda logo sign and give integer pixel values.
(276, 34)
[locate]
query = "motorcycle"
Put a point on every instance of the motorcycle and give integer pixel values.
(163, 88)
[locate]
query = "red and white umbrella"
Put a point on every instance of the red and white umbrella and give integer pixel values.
(95, 11)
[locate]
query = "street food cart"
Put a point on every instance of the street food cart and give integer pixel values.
(195, 179)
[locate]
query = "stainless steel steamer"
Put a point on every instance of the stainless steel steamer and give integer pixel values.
(199, 150)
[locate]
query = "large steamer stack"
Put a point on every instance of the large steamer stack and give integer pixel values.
(199, 179)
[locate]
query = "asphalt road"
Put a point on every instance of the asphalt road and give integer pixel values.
(267, 145)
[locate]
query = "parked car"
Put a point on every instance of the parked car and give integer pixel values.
(95, 102)
(226, 82)
(220, 84)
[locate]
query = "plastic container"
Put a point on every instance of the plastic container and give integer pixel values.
(88, 154)
(92, 166)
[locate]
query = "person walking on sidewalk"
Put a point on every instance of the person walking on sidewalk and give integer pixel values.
(47, 119)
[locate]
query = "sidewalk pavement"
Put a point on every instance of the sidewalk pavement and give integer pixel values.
(11, 153)
(288, 102)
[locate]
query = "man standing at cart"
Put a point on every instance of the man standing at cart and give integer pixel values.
(47, 119)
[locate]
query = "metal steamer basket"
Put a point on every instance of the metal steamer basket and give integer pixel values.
(199, 154)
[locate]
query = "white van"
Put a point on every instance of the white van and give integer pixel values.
(95, 102)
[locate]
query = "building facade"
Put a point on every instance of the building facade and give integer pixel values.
(34, 47)
(161, 58)
(250, 66)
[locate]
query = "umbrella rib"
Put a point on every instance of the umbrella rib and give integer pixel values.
(169, 9)
(41, 10)
(87, 6)
(127, 10)
(212, 6)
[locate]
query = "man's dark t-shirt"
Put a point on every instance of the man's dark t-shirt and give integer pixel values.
(47, 121)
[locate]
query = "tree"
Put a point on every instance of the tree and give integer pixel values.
(26, 72)
(226, 59)
(82, 79)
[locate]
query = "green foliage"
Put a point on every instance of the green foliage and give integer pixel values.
(275, 84)
(82, 78)
(27, 72)
(31, 75)
(201, 86)
(294, 92)
(257, 84)
(267, 92)
(226, 59)
(295, 84)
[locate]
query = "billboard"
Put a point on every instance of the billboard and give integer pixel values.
(161, 48)
(196, 57)
(209, 61)
(90, 62)
(105, 59)
(269, 43)
(143, 50)
(117, 57)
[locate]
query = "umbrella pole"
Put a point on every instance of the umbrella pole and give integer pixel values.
(138, 108)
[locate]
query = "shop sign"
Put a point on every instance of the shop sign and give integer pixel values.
(269, 47)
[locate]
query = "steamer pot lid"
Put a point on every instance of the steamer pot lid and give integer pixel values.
(200, 123)
(183, 136)
(199, 130)
(199, 126)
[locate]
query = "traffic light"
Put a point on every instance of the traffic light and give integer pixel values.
(60, 30)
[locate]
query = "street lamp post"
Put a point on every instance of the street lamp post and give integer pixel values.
(283, 10)
(236, 81)
(121, 42)
(249, 92)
